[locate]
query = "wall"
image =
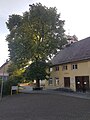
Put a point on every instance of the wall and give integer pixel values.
(82, 70)
(3, 70)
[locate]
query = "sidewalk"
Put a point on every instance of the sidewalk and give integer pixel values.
(73, 94)
(77, 94)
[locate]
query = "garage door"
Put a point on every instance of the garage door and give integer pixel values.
(82, 83)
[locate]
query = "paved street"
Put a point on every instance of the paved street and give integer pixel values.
(44, 107)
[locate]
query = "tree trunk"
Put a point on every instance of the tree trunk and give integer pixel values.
(37, 83)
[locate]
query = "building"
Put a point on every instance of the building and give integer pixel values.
(3, 71)
(71, 67)
(71, 39)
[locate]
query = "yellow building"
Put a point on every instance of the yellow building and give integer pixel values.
(71, 67)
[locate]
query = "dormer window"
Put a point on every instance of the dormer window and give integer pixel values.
(57, 68)
(74, 66)
(64, 67)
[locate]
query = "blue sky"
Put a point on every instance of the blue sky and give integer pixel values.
(74, 12)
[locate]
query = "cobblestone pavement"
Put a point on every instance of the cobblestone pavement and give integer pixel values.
(40, 106)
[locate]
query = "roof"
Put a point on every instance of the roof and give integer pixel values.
(74, 52)
(3, 68)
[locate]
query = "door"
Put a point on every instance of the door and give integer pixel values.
(67, 82)
(82, 83)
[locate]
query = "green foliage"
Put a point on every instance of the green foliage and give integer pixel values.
(35, 36)
(13, 22)
(15, 74)
(7, 86)
(37, 70)
(38, 34)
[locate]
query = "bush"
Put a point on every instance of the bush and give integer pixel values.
(7, 86)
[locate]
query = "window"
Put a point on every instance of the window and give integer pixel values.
(64, 67)
(57, 68)
(57, 81)
(50, 69)
(50, 81)
(74, 66)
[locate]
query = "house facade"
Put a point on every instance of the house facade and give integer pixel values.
(3, 71)
(71, 67)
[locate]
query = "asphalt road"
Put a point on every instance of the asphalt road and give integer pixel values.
(44, 107)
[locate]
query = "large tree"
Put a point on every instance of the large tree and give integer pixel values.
(37, 71)
(36, 35)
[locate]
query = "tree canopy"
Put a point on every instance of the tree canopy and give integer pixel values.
(37, 71)
(35, 36)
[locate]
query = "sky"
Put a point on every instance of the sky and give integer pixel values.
(74, 12)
